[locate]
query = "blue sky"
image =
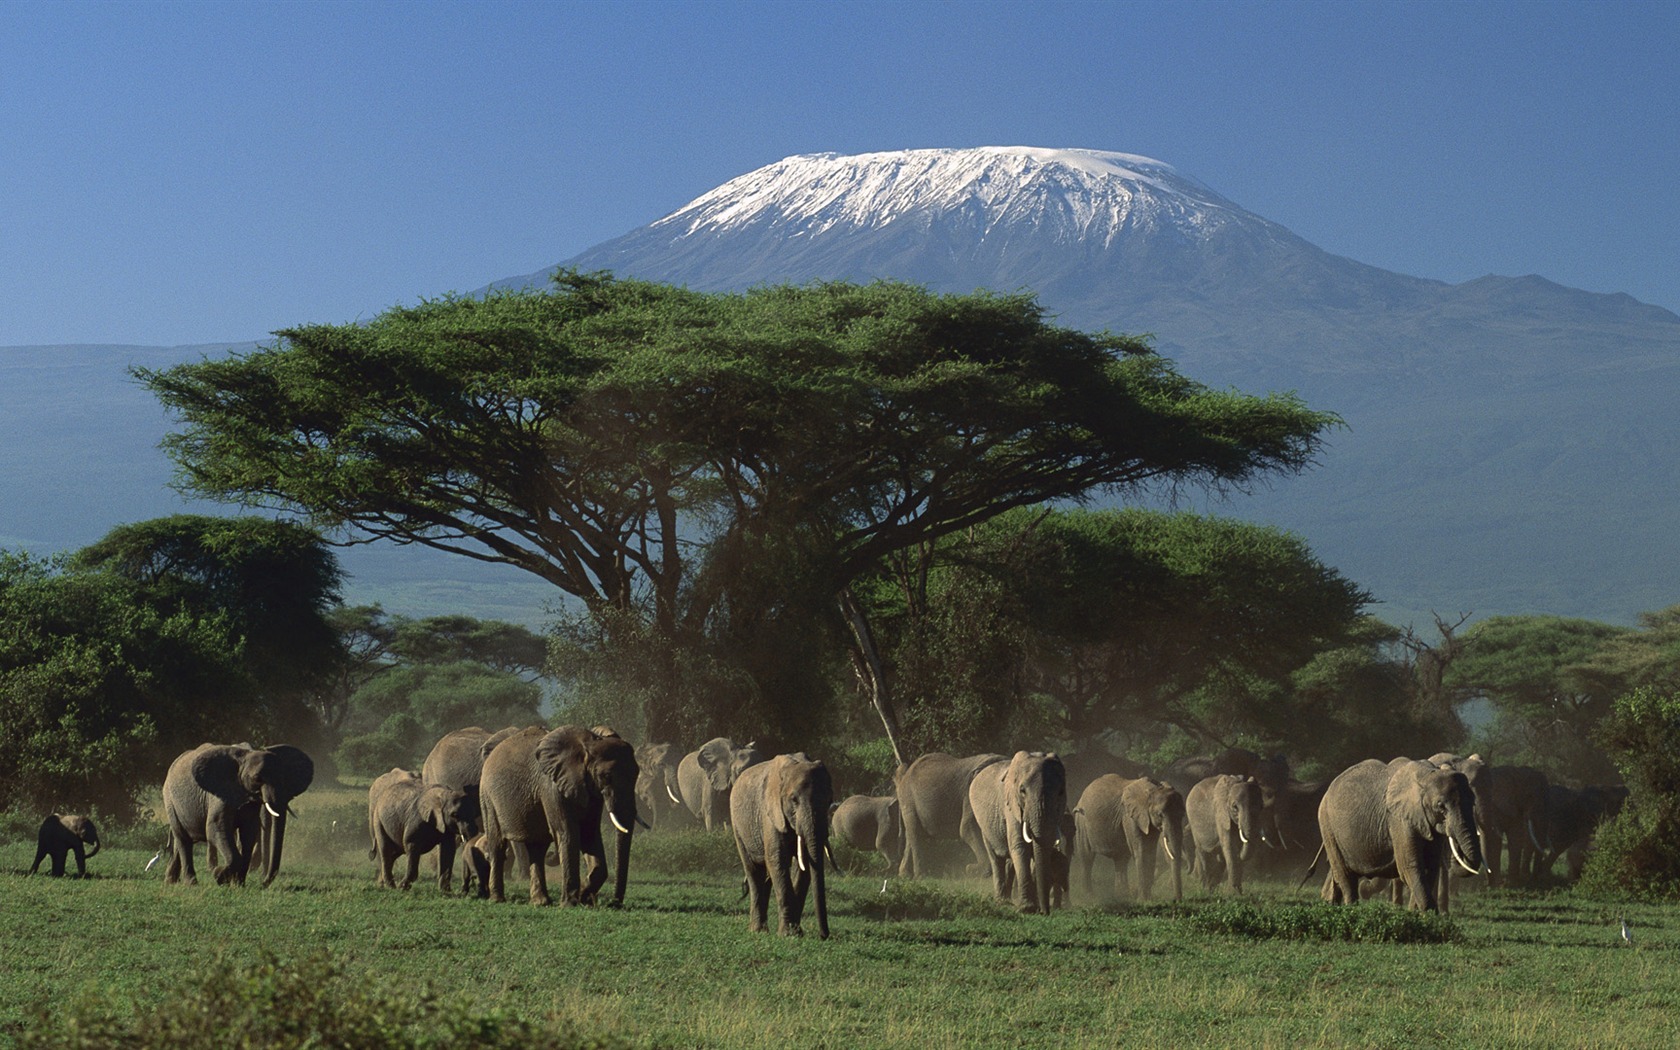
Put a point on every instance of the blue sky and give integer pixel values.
(202, 172)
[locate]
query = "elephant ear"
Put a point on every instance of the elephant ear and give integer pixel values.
(715, 757)
(653, 754)
(432, 804)
(288, 768)
(216, 770)
(563, 757)
(1404, 799)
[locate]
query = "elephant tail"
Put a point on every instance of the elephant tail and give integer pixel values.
(1311, 868)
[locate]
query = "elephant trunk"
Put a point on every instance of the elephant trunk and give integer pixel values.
(1039, 887)
(623, 816)
(813, 841)
(274, 843)
(1173, 836)
(94, 842)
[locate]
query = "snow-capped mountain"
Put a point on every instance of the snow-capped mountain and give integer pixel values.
(1068, 195)
(1506, 436)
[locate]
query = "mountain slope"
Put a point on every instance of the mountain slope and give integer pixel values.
(1507, 447)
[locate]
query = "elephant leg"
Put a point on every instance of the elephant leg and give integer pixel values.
(1233, 862)
(1493, 847)
(758, 894)
(413, 872)
(781, 883)
(1026, 879)
(446, 862)
(387, 858)
(538, 872)
(222, 841)
(1146, 851)
(910, 864)
(793, 908)
(969, 832)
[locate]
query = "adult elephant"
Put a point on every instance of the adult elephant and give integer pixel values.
(1129, 819)
(933, 803)
(1018, 808)
(225, 795)
(706, 774)
(62, 834)
(1397, 820)
(1572, 819)
(1223, 812)
(556, 787)
(1511, 806)
(871, 824)
(658, 793)
(408, 818)
(779, 812)
(1292, 828)
(456, 762)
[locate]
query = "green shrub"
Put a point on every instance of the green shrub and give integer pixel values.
(1372, 921)
(907, 899)
(1638, 853)
(694, 851)
(278, 1005)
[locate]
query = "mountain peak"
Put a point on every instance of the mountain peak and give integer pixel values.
(1072, 194)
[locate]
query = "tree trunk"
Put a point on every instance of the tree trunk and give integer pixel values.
(868, 660)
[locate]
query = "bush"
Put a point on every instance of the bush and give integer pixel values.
(1638, 853)
(1373, 921)
(278, 1005)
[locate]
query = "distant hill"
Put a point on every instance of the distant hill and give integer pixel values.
(1509, 444)
(79, 454)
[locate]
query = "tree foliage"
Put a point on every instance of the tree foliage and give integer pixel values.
(1076, 624)
(649, 450)
(417, 679)
(1639, 851)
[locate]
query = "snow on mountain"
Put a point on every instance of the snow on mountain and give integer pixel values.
(1069, 194)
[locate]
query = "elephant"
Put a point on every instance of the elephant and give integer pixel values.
(1018, 807)
(556, 786)
(871, 824)
(1572, 819)
(657, 792)
(1291, 828)
(1127, 819)
(933, 803)
(1223, 813)
(779, 812)
(225, 795)
(457, 761)
(61, 834)
(1397, 820)
(1511, 814)
(407, 817)
(705, 775)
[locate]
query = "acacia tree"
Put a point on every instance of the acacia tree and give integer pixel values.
(642, 446)
(1080, 623)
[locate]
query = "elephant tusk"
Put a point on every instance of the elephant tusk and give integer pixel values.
(1240, 835)
(1532, 838)
(673, 795)
(619, 824)
(799, 851)
(1167, 844)
(271, 811)
(1026, 836)
(1458, 855)
(883, 885)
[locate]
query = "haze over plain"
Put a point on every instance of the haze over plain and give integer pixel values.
(195, 174)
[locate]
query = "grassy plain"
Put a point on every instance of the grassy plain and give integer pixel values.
(927, 965)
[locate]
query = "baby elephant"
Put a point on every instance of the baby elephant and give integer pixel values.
(406, 817)
(64, 833)
(870, 824)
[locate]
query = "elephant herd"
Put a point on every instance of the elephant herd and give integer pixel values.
(1034, 822)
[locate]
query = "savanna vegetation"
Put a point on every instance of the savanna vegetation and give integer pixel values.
(860, 521)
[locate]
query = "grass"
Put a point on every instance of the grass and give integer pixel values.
(929, 965)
